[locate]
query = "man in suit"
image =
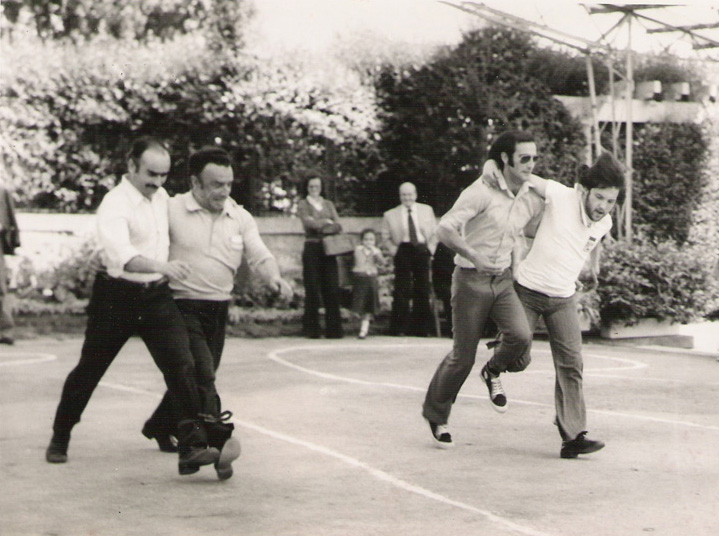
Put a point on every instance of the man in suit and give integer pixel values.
(9, 240)
(409, 232)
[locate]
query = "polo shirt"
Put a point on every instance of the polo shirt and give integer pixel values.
(214, 246)
(490, 218)
(565, 238)
(129, 224)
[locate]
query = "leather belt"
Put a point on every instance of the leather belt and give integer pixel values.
(138, 285)
(492, 273)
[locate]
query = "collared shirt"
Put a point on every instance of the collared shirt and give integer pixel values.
(214, 246)
(490, 218)
(565, 238)
(405, 224)
(129, 224)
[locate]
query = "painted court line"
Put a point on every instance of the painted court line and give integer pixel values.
(34, 357)
(630, 365)
(396, 482)
(353, 462)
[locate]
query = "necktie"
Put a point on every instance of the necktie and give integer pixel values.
(412, 230)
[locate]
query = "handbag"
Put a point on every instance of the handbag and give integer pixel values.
(9, 240)
(338, 244)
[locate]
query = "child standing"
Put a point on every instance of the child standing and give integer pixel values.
(365, 290)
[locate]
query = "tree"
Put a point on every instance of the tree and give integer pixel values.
(440, 118)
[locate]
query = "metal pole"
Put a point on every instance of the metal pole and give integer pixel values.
(629, 134)
(593, 100)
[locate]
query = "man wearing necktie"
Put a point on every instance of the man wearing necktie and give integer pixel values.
(409, 232)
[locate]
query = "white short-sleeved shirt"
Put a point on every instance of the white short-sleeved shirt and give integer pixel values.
(213, 245)
(129, 224)
(565, 238)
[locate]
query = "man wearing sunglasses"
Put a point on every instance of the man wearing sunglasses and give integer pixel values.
(575, 221)
(482, 228)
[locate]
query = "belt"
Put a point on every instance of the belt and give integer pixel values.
(137, 285)
(492, 273)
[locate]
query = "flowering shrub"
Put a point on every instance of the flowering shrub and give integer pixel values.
(68, 115)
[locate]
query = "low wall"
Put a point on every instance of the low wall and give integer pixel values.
(47, 239)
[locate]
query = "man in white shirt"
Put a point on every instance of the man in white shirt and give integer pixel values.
(409, 230)
(212, 234)
(132, 297)
(575, 221)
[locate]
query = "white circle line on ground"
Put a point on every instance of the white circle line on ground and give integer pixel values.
(353, 462)
(394, 481)
(35, 357)
(275, 356)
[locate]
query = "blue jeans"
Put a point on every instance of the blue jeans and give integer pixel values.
(477, 297)
(565, 339)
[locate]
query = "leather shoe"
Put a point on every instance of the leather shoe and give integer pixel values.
(580, 445)
(57, 449)
(166, 442)
(7, 340)
(192, 460)
(230, 452)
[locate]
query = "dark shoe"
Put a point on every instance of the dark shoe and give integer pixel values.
(7, 340)
(580, 445)
(230, 452)
(219, 436)
(191, 461)
(57, 449)
(166, 442)
(441, 436)
(497, 398)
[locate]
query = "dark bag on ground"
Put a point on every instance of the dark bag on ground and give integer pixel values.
(338, 244)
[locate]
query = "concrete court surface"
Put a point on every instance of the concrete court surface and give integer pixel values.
(334, 444)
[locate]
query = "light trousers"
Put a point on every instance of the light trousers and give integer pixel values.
(477, 297)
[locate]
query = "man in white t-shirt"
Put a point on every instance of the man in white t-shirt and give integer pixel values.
(575, 221)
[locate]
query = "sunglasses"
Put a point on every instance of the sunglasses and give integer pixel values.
(525, 158)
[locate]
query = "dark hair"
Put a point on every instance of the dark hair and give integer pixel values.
(207, 155)
(143, 144)
(367, 231)
(606, 172)
(308, 176)
(507, 143)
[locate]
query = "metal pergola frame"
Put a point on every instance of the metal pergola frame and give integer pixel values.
(590, 48)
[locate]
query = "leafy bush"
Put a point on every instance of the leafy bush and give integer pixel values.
(669, 160)
(663, 281)
(439, 118)
(68, 114)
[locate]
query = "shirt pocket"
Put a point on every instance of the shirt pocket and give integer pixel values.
(235, 249)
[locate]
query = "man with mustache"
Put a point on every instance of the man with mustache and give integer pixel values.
(131, 296)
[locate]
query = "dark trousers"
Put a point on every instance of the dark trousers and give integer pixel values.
(411, 282)
(117, 310)
(321, 280)
(206, 323)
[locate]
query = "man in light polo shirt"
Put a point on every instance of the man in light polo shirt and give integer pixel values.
(212, 234)
(575, 221)
(482, 228)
